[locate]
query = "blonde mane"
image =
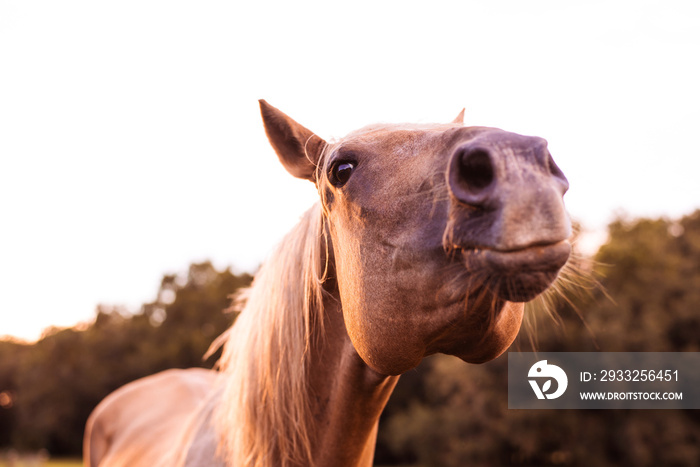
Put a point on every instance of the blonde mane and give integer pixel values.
(264, 413)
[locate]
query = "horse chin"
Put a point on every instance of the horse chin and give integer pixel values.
(519, 275)
(498, 338)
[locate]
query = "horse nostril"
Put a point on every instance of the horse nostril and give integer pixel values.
(476, 170)
(472, 176)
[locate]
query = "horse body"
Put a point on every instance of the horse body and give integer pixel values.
(139, 424)
(426, 239)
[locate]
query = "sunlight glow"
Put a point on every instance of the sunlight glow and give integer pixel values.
(131, 142)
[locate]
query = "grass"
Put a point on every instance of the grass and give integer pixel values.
(49, 463)
(64, 463)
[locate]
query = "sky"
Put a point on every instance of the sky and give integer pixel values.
(131, 143)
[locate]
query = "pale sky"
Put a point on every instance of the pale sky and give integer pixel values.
(131, 143)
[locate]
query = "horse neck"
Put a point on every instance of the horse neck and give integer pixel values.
(295, 392)
(347, 397)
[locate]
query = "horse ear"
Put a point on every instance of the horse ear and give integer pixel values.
(460, 118)
(298, 148)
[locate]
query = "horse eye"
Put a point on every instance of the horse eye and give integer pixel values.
(340, 173)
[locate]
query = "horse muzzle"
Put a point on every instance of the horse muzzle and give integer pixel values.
(506, 214)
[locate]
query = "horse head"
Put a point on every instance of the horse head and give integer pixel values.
(437, 234)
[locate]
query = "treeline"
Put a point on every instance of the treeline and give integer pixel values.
(445, 412)
(48, 389)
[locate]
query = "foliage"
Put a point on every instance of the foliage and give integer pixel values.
(55, 383)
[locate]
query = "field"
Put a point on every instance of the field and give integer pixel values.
(49, 463)
(64, 463)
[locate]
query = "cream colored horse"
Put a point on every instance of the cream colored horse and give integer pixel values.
(427, 238)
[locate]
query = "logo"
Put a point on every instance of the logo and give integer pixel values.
(542, 370)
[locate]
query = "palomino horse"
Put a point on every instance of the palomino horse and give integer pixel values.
(427, 238)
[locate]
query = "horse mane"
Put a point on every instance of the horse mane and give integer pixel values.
(264, 415)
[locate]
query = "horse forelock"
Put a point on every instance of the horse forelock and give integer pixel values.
(378, 127)
(264, 415)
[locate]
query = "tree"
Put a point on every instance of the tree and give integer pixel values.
(56, 383)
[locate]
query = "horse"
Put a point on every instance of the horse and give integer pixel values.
(427, 238)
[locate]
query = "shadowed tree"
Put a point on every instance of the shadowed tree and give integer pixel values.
(55, 383)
